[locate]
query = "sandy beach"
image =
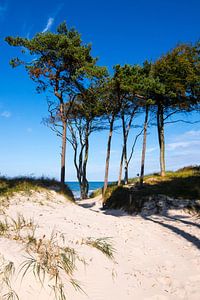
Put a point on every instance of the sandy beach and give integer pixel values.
(156, 257)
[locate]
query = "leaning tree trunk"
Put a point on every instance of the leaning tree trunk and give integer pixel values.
(125, 166)
(108, 155)
(85, 185)
(125, 151)
(161, 138)
(144, 146)
(80, 171)
(120, 168)
(63, 154)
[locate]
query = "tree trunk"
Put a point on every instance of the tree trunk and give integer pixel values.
(144, 146)
(108, 155)
(125, 151)
(84, 188)
(81, 158)
(63, 154)
(120, 168)
(124, 158)
(126, 166)
(85, 184)
(161, 138)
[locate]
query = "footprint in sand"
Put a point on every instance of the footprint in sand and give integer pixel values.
(157, 297)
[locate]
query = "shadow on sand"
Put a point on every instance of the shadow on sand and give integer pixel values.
(189, 237)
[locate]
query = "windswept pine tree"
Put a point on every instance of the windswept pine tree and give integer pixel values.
(126, 81)
(61, 64)
(178, 73)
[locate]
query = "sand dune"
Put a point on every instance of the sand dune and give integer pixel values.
(155, 258)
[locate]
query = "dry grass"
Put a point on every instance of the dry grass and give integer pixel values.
(46, 259)
(184, 183)
(7, 270)
(96, 193)
(27, 185)
(102, 244)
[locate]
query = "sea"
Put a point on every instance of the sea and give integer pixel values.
(93, 185)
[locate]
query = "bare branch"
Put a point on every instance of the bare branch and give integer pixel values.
(133, 147)
(183, 121)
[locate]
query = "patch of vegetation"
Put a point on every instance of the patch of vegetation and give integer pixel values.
(10, 186)
(102, 244)
(194, 210)
(184, 184)
(52, 261)
(99, 191)
(12, 228)
(46, 259)
(7, 270)
(96, 193)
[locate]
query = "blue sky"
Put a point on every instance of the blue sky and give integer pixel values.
(120, 32)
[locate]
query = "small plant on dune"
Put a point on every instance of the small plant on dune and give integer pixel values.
(11, 227)
(4, 227)
(20, 222)
(194, 210)
(102, 244)
(31, 239)
(7, 270)
(52, 261)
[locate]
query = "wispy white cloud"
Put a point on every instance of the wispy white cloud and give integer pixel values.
(180, 145)
(49, 24)
(189, 140)
(192, 133)
(152, 149)
(188, 135)
(6, 114)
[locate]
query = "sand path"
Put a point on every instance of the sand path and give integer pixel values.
(155, 258)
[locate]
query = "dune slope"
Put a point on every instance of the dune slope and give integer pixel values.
(155, 258)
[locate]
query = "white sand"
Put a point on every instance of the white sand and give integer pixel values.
(155, 258)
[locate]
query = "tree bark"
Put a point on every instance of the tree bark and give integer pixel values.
(85, 185)
(125, 135)
(161, 138)
(81, 159)
(144, 145)
(63, 155)
(125, 168)
(108, 154)
(120, 168)
(126, 129)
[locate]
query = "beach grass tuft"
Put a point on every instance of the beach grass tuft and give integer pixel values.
(27, 185)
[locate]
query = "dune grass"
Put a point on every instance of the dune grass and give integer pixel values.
(183, 183)
(7, 271)
(10, 186)
(45, 258)
(102, 244)
(96, 193)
